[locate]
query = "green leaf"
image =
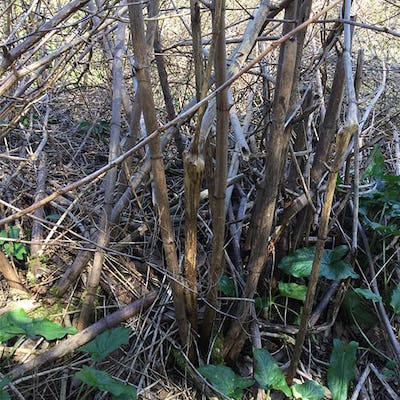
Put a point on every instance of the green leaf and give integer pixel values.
(376, 167)
(383, 229)
(357, 308)
(4, 381)
(268, 374)
(227, 286)
(338, 252)
(105, 343)
(309, 390)
(13, 232)
(368, 294)
(225, 380)
(341, 369)
(17, 322)
(84, 125)
(390, 369)
(53, 217)
(9, 324)
(103, 381)
(48, 329)
(338, 270)
(13, 249)
(299, 263)
(395, 299)
(333, 267)
(292, 290)
(19, 251)
(3, 234)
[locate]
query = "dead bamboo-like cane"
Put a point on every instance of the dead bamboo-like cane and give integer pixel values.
(110, 181)
(264, 209)
(221, 171)
(35, 266)
(193, 162)
(342, 141)
(195, 18)
(157, 167)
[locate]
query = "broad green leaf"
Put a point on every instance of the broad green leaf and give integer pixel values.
(383, 229)
(48, 329)
(18, 251)
(17, 322)
(53, 217)
(309, 390)
(4, 381)
(299, 263)
(13, 249)
(395, 299)
(390, 369)
(357, 308)
(10, 324)
(332, 265)
(292, 290)
(337, 253)
(267, 372)
(227, 286)
(13, 232)
(341, 369)
(225, 380)
(376, 167)
(368, 294)
(3, 234)
(337, 270)
(103, 381)
(105, 343)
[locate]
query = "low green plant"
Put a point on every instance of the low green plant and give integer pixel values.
(105, 343)
(341, 368)
(18, 323)
(104, 382)
(380, 207)
(267, 374)
(292, 290)
(299, 264)
(333, 265)
(356, 308)
(99, 348)
(309, 390)
(225, 380)
(11, 248)
(4, 381)
(395, 299)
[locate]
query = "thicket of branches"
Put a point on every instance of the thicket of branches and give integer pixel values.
(159, 160)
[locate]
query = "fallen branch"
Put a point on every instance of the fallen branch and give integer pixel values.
(72, 343)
